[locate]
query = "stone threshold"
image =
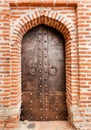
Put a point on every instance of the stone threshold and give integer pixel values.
(43, 125)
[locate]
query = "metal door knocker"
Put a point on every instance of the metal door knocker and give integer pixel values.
(33, 70)
(52, 71)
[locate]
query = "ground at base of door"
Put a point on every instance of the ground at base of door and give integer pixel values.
(44, 125)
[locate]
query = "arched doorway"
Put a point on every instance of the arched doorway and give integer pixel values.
(43, 75)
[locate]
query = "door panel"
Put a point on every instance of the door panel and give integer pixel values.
(54, 107)
(43, 75)
(29, 61)
(31, 106)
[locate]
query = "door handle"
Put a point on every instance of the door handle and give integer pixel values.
(53, 71)
(33, 70)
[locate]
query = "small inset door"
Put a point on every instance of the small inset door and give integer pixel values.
(43, 75)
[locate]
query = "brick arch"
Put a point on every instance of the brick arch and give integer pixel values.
(64, 26)
(50, 18)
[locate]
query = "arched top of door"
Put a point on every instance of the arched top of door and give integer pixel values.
(37, 17)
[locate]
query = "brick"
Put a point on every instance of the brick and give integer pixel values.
(12, 120)
(1, 125)
(11, 125)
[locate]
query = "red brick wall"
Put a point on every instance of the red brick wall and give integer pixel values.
(72, 18)
(84, 56)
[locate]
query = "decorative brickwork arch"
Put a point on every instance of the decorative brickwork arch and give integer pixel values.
(64, 26)
(50, 18)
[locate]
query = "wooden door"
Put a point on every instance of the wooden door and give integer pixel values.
(43, 75)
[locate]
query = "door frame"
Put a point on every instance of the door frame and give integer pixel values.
(59, 22)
